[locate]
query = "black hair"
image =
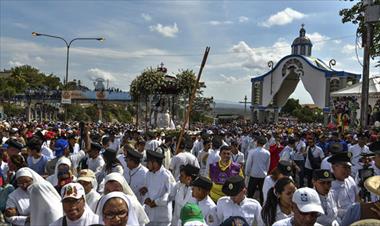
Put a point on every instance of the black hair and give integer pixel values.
(110, 160)
(192, 175)
(224, 147)
(159, 161)
(134, 159)
(216, 142)
(268, 213)
(35, 144)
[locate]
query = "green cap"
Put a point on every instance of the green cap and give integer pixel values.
(191, 212)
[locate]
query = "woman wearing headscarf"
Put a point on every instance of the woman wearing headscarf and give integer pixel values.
(117, 204)
(17, 207)
(116, 182)
(62, 174)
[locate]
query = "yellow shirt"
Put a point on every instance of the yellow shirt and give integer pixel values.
(216, 190)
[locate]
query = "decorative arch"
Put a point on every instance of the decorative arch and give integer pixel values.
(272, 90)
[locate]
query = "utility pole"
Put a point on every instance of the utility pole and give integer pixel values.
(371, 16)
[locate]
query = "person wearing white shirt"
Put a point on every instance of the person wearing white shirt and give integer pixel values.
(237, 204)
(306, 207)
(182, 191)
(158, 185)
(17, 207)
(287, 154)
(75, 208)
(152, 143)
(47, 151)
(73, 145)
(245, 143)
(180, 159)
(322, 184)
(283, 169)
(332, 149)
(95, 162)
(299, 158)
(257, 167)
(214, 156)
(88, 180)
(201, 187)
(203, 156)
(278, 205)
(314, 158)
(237, 156)
(135, 173)
(344, 189)
(356, 150)
(197, 146)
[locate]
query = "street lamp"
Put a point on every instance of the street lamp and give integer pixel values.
(68, 44)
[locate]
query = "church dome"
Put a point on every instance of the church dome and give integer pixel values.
(302, 44)
(301, 40)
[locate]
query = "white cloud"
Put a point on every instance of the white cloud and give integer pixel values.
(146, 17)
(234, 79)
(348, 49)
(15, 63)
(243, 19)
(318, 40)
(39, 60)
(95, 73)
(337, 41)
(217, 22)
(286, 16)
(166, 31)
(21, 49)
(257, 58)
(224, 65)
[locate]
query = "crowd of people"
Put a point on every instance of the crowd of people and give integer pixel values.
(55, 173)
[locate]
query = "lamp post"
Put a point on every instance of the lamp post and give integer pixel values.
(68, 44)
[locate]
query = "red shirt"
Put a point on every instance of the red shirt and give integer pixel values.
(274, 155)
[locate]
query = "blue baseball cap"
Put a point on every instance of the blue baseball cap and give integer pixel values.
(60, 146)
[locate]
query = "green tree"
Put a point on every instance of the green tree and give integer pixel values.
(355, 15)
(291, 106)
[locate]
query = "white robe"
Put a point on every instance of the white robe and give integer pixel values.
(45, 204)
(136, 180)
(159, 185)
(183, 195)
(18, 199)
(92, 199)
(208, 208)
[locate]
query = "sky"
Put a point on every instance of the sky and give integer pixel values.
(243, 36)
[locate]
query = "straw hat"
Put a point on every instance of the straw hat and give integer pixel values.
(372, 184)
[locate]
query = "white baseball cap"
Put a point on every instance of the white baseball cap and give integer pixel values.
(307, 200)
(72, 190)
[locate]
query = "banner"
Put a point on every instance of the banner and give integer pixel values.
(66, 97)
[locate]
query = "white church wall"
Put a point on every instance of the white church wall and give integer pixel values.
(313, 80)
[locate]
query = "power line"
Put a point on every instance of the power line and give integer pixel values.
(231, 53)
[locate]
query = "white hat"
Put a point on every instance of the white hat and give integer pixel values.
(307, 200)
(72, 190)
